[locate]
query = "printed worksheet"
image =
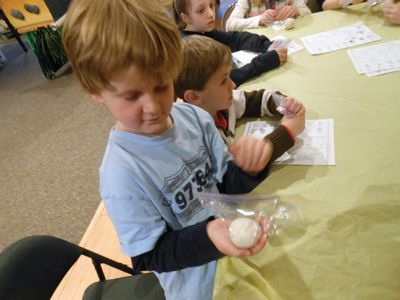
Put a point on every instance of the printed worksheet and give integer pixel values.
(244, 57)
(344, 37)
(377, 59)
(315, 146)
(292, 47)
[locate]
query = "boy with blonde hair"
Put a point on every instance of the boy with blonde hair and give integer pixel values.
(204, 81)
(125, 54)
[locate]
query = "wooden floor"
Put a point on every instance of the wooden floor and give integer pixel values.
(99, 237)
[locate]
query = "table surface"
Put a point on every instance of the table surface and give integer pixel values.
(349, 244)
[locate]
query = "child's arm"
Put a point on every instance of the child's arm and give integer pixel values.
(258, 65)
(179, 249)
(292, 124)
(250, 154)
(337, 4)
(194, 246)
(238, 21)
(253, 157)
(237, 40)
(257, 103)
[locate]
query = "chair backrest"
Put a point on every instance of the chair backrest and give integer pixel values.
(226, 16)
(33, 267)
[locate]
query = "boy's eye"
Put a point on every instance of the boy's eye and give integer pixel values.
(132, 97)
(161, 88)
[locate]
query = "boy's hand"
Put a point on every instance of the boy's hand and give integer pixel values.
(250, 154)
(218, 232)
(282, 53)
(295, 119)
(294, 106)
(295, 124)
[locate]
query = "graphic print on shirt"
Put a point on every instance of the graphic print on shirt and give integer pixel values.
(180, 188)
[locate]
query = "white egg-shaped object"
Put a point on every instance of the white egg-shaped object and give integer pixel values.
(289, 23)
(244, 232)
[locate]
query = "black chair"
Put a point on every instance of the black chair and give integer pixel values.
(33, 267)
(226, 15)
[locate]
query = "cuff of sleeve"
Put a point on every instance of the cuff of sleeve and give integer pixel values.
(210, 252)
(282, 140)
(255, 21)
(290, 132)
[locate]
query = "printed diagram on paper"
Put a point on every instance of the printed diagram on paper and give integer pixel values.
(377, 59)
(292, 47)
(315, 146)
(243, 57)
(344, 37)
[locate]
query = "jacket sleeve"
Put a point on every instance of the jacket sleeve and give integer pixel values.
(237, 40)
(259, 64)
(258, 103)
(281, 140)
(179, 249)
(236, 181)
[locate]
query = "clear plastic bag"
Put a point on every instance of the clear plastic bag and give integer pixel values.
(280, 25)
(233, 206)
(244, 211)
(245, 214)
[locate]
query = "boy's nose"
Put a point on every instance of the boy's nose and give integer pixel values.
(232, 84)
(211, 12)
(151, 105)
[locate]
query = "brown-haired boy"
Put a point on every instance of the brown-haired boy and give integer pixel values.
(204, 81)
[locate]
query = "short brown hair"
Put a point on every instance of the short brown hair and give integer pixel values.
(180, 6)
(104, 37)
(202, 57)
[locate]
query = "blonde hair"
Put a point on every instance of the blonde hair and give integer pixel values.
(104, 37)
(202, 57)
(258, 3)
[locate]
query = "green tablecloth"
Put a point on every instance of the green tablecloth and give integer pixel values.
(350, 248)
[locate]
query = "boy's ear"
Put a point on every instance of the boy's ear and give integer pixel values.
(185, 18)
(191, 96)
(96, 98)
